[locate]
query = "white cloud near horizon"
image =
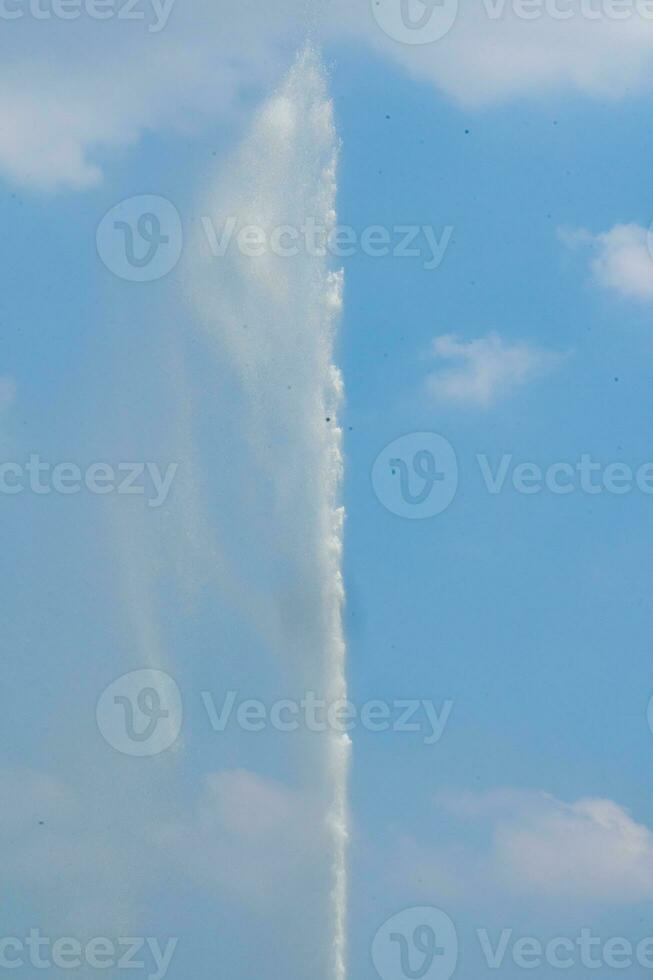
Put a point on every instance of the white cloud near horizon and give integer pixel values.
(623, 258)
(589, 851)
(245, 834)
(72, 90)
(485, 370)
(100, 863)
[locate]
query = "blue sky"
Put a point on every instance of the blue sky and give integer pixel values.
(529, 613)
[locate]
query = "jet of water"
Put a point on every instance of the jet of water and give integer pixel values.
(270, 302)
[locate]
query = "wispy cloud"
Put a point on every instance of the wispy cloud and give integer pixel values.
(71, 89)
(485, 370)
(623, 258)
(493, 53)
(589, 851)
(245, 834)
(98, 864)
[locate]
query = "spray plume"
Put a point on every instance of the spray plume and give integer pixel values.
(272, 310)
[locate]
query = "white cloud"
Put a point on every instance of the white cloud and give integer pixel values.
(71, 90)
(623, 259)
(485, 369)
(244, 836)
(487, 58)
(99, 863)
(54, 840)
(590, 851)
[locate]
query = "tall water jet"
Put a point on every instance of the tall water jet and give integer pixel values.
(270, 303)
